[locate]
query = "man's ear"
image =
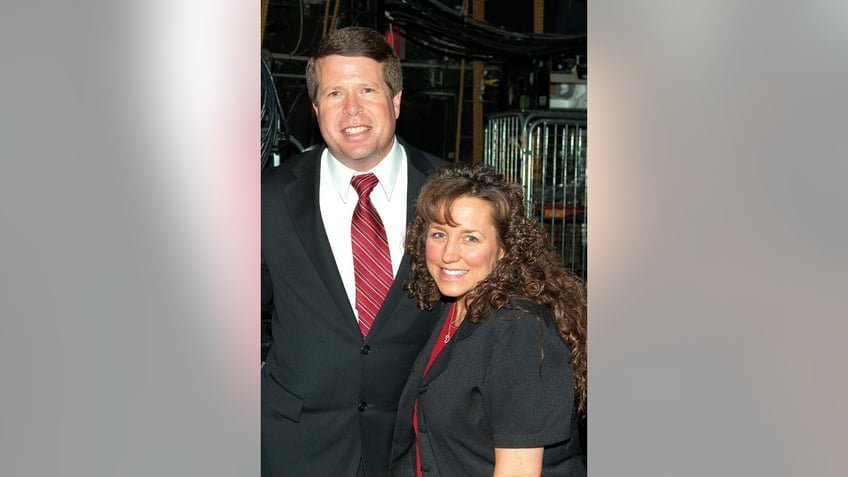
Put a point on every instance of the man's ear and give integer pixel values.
(396, 103)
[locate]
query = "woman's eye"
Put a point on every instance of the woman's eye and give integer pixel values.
(438, 235)
(471, 238)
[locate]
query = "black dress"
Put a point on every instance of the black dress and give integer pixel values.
(505, 382)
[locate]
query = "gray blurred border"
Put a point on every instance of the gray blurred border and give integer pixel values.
(130, 239)
(718, 232)
(716, 163)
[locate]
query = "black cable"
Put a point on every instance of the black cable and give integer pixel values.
(274, 129)
(437, 27)
(268, 114)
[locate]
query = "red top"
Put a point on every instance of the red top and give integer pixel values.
(445, 335)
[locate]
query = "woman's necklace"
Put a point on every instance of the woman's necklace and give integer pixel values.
(453, 323)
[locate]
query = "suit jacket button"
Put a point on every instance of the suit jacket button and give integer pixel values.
(362, 406)
(365, 349)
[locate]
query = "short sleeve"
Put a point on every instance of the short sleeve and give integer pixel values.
(528, 392)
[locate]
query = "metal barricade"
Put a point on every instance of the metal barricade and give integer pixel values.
(545, 151)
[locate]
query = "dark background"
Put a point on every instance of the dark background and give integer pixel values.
(516, 60)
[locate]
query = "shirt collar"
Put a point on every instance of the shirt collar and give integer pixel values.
(386, 172)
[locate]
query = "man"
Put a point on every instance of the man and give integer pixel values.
(330, 385)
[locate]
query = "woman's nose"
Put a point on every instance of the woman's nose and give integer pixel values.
(450, 252)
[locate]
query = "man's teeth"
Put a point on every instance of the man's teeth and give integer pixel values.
(356, 130)
(453, 272)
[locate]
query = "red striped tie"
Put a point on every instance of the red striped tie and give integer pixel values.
(372, 263)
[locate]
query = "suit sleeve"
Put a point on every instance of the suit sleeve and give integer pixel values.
(267, 289)
(528, 392)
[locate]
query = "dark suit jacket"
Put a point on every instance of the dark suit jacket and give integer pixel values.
(329, 397)
(504, 382)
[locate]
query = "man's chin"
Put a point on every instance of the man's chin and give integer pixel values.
(358, 160)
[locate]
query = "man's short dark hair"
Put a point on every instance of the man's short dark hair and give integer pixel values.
(356, 41)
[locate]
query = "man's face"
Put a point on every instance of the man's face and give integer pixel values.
(355, 110)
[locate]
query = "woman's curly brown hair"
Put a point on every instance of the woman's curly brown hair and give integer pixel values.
(529, 268)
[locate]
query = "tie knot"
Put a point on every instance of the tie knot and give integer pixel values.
(364, 184)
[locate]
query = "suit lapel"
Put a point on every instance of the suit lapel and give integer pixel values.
(441, 362)
(417, 170)
(302, 199)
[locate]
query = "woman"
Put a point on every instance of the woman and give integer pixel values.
(497, 389)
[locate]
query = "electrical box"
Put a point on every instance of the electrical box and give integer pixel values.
(567, 83)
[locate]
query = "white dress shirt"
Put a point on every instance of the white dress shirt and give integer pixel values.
(337, 199)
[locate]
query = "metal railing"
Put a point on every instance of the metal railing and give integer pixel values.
(545, 151)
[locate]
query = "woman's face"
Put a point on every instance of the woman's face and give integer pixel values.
(459, 257)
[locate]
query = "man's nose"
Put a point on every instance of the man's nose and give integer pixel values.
(352, 106)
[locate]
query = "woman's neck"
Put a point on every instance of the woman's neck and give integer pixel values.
(460, 310)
